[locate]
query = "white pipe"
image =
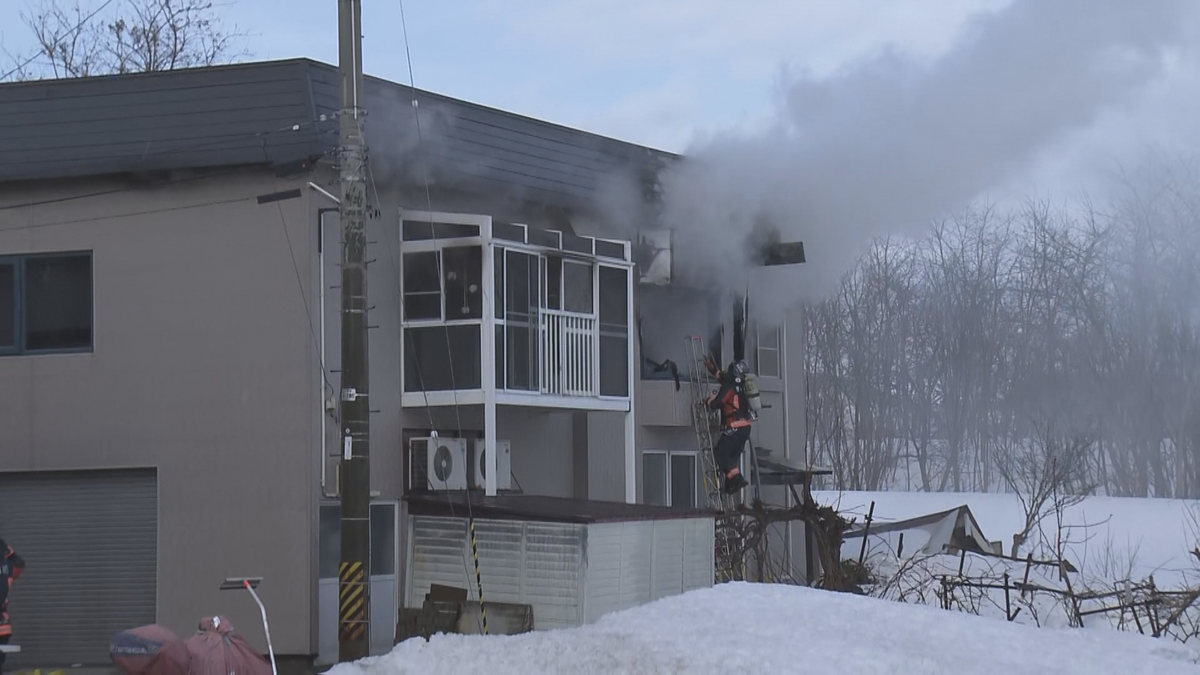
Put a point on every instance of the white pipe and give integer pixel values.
(318, 188)
(321, 309)
(266, 628)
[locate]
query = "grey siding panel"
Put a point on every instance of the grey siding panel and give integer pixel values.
(667, 568)
(637, 545)
(553, 564)
(699, 552)
(90, 541)
(602, 583)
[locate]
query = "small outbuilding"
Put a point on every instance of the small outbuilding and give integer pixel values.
(572, 561)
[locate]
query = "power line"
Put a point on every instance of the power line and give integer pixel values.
(73, 30)
(131, 214)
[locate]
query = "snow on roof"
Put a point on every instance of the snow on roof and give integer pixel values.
(771, 628)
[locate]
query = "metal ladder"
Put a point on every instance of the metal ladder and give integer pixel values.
(707, 427)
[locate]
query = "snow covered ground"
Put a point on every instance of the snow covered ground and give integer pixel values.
(758, 628)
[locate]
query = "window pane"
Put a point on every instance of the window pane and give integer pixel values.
(552, 282)
(577, 285)
(768, 362)
(8, 306)
(422, 290)
(498, 288)
(383, 539)
(427, 363)
(463, 267)
(499, 357)
(654, 478)
(58, 302)
(614, 365)
(614, 298)
(683, 481)
(768, 336)
(330, 540)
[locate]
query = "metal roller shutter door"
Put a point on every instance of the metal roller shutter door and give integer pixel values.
(90, 542)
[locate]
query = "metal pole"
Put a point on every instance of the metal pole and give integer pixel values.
(354, 570)
(266, 628)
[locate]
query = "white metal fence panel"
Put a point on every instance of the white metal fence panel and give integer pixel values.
(568, 347)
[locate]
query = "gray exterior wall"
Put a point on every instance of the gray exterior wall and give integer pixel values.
(203, 368)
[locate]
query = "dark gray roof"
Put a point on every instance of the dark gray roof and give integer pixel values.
(282, 114)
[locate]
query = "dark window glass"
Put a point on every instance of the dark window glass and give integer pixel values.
(654, 478)
(463, 268)
(571, 242)
(552, 289)
(508, 231)
(683, 481)
(420, 230)
(520, 317)
(383, 539)
(58, 302)
(330, 540)
(577, 287)
(614, 331)
(427, 358)
(8, 306)
(610, 249)
(422, 291)
(498, 289)
(547, 238)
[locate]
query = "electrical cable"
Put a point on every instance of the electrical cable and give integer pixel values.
(446, 330)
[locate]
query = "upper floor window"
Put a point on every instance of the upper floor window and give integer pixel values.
(768, 362)
(46, 303)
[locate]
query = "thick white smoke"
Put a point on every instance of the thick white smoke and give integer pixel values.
(890, 143)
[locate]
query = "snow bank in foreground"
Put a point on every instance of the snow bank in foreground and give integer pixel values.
(740, 628)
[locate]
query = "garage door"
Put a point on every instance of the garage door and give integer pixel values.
(90, 541)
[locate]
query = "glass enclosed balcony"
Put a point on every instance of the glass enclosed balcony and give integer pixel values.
(557, 308)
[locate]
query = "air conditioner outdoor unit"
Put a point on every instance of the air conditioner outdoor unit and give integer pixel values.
(503, 465)
(443, 464)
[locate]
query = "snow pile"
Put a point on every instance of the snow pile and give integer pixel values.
(740, 628)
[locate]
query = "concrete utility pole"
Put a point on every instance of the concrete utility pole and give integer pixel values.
(354, 629)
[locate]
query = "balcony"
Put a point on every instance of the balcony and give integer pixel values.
(558, 308)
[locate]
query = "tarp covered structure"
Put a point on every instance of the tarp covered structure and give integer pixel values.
(214, 650)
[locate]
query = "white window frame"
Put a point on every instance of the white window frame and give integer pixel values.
(759, 329)
(669, 455)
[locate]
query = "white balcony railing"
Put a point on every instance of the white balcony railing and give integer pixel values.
(568, 348)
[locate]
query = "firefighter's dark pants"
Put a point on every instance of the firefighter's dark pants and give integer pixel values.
(729, 447)
(3, 641)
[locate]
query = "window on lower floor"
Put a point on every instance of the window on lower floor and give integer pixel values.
(383, 539)
(670, 479)
(46, 303)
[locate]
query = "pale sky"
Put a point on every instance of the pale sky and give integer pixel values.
(666, 73)
(654, 72)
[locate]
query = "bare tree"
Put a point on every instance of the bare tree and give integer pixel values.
(79, 39)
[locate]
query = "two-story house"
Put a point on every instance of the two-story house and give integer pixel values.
(169, 338)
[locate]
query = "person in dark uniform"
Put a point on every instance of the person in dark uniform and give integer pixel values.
(11, 566)
(736, 419)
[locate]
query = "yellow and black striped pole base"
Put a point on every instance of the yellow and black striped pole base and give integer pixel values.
(478, 577)
(352, 605)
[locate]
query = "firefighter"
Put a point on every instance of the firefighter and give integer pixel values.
(11, 566)
(736, 419)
